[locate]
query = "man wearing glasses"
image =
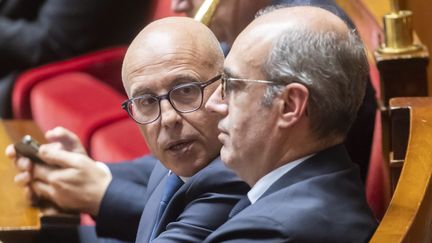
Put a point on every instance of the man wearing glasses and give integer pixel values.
(169, 72)
(232, 16)
(294, 80)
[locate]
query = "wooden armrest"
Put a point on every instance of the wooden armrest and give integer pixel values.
(409, 216)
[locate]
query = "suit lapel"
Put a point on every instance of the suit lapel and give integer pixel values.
(154, 194)
(327, 161)
(179, 200)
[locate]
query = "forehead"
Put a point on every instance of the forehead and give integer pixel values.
(162, 72)
(247, 56)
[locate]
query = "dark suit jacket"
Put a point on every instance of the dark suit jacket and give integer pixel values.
(320, 200)
(200, 206)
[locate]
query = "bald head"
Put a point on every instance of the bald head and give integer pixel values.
(299, 16)
(312, 46)
(168, 37)
(263, 31)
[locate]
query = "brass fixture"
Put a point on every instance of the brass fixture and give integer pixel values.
(398, 32)
(206, 11)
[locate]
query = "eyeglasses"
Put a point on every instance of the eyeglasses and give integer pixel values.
(184, 98)
(226, 87)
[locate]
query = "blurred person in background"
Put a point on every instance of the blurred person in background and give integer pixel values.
(36, 32)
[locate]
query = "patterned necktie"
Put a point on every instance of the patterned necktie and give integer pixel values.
(173, 183)
(242, 204)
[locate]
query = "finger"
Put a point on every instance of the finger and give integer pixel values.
(23, 164)
(42, 190)
(61, 134)
(68, 139)
(23, 179)
(61, 158)
(44, 172)
(10, 151)
(54, 145)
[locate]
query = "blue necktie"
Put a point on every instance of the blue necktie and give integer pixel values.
(173, 183)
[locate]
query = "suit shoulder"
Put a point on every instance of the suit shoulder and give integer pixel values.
(216, 177)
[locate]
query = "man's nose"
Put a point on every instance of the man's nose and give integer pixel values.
(216, 104)
(169, 116)
(181, 6)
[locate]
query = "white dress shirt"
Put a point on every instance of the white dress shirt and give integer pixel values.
(266, 181)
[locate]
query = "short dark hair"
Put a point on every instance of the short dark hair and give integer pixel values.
(334, 68)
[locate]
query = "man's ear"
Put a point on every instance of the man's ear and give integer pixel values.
(292, 104)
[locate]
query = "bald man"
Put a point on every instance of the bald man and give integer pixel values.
(169, 71)
(292, 85)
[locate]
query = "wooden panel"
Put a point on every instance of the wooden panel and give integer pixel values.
(15, 210)
(422, 20)
(403, 75)
(409, 216)
(399, 126)
(378, 8)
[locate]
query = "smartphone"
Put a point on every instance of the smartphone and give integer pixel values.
(28, 147)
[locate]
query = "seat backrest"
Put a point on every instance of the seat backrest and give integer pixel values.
(409, 215)
(104, 65)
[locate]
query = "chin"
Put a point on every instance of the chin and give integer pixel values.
(188, 170)
(226, 158)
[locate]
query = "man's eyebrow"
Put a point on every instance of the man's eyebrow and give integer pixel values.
(141, 91)
(182, 78)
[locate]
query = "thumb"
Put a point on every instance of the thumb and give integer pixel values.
(66, 138)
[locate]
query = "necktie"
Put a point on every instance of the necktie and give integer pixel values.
(242, 204)
(173, 183)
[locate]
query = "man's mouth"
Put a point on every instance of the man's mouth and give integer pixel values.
(221, 129)
(179, 145)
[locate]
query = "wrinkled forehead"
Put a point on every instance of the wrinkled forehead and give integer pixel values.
(161, 51)
(157, 71)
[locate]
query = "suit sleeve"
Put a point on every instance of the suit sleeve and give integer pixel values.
(125, 198)
(250, 229)
(214, 196)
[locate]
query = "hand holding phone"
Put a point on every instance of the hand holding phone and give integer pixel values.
(28, 147)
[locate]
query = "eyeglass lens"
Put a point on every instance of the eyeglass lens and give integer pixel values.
(184, 98)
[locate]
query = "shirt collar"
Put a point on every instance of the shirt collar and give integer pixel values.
(184, 179)
(266, 181)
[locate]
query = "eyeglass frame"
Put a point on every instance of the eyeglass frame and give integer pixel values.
(202, 86)
(225, 78)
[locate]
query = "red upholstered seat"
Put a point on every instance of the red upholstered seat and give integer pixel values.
(76, 101)
(118, 141)
(104, 65)
(378, 178)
